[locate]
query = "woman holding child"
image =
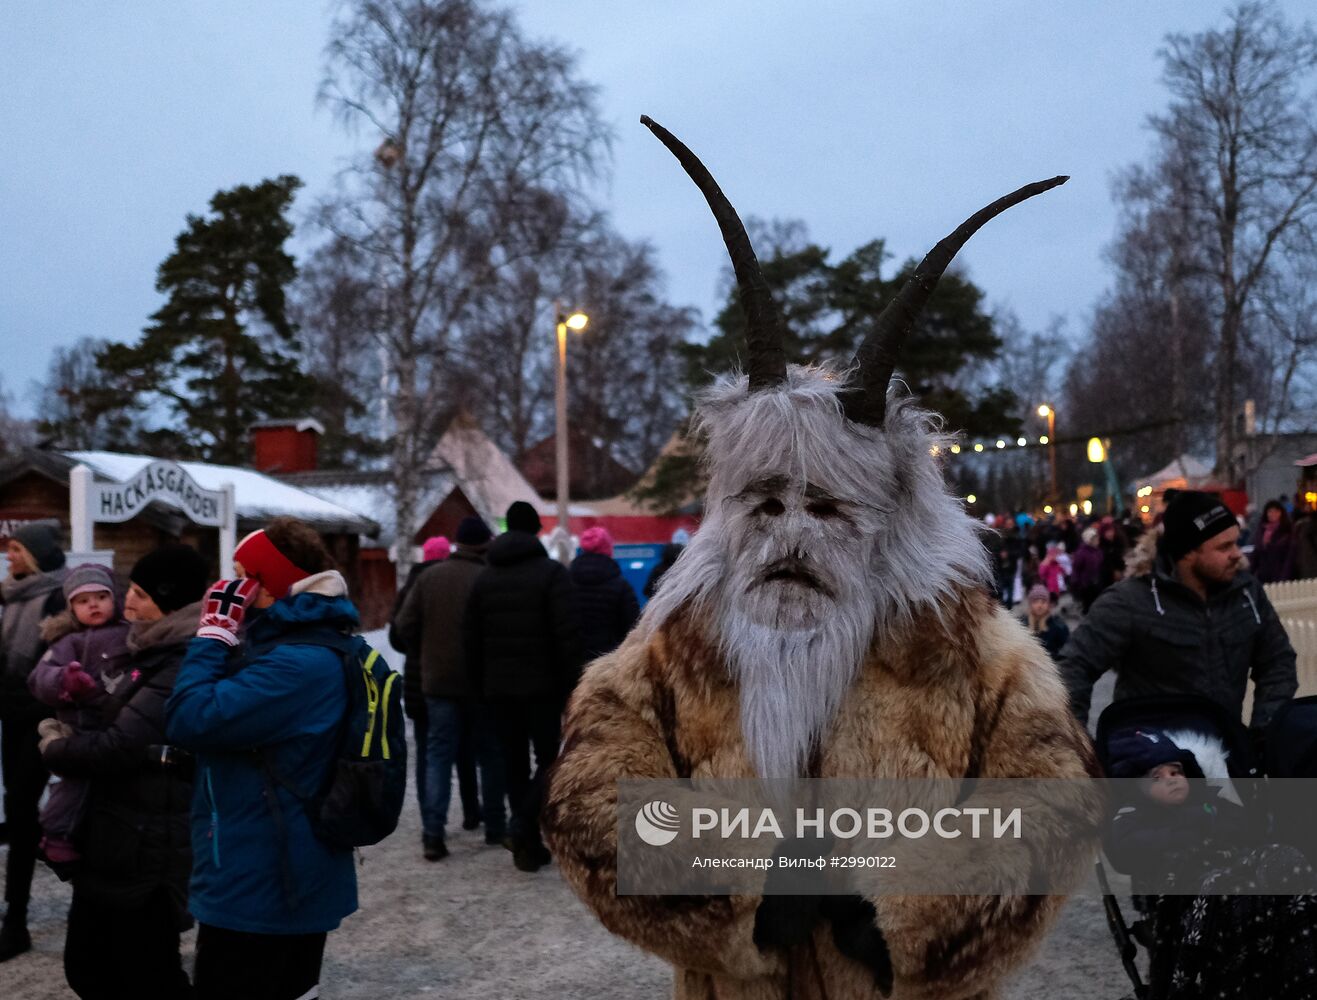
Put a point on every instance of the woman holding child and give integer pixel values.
(130, 856)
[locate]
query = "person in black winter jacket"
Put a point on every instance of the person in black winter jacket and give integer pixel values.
(1192, 622)
(671, 552)
(32, 592)
(523, 650)
(130, 887)
(607, 604)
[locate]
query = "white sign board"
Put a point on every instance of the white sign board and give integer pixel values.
(163, 481)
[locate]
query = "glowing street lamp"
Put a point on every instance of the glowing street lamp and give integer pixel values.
(576, 322)
(1099, 454)
(1044, 410)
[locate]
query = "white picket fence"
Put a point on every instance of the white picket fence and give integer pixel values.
(1296, 603)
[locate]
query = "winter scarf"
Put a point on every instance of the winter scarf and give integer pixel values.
(20, 628)
(175, 627)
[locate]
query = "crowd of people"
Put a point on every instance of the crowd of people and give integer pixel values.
(1184, 619)
(1084, 555)
(495, 635)
(162, 710)
(146, 704)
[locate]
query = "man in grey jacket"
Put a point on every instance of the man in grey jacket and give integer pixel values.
(1196, 623)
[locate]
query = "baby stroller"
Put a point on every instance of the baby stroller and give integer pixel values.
(1292, 740)
(1291, 752)
(1224, 752)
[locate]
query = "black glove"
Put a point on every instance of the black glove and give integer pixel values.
(787, 916)
(856, 934)
(785, 921)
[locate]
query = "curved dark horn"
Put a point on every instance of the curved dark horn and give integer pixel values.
(767, 360)
(867, 404)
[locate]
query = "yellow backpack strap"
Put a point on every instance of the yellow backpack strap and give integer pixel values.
(372, 700)
(384, 728)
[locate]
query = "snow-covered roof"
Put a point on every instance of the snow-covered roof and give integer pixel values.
(375, 493)
(298, 424)
(487, 476)
(259, 497)
(1187, 468)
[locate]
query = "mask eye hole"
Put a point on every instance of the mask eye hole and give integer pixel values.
(822, 509)
(772, 507)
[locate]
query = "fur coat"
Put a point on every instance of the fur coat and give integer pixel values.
(964, 693)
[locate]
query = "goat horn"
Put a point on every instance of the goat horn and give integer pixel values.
(767, 360)
(867, 404)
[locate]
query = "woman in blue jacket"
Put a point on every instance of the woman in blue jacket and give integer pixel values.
(262, 711)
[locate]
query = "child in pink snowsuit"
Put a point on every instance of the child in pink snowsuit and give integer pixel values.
(88, 649)
(1050, 572)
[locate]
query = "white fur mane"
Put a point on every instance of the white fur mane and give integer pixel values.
(927, 546)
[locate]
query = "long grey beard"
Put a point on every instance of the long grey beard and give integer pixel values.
(792, 683)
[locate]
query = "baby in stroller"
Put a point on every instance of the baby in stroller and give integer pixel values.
(1176, 833)
(1193, 835)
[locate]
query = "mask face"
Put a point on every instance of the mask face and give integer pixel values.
(793, 539)
(817, 533)
(795, 549)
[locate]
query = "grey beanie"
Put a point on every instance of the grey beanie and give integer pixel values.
(87, 578)
(42, 541)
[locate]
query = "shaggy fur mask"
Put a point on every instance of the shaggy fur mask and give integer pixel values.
(820, 534)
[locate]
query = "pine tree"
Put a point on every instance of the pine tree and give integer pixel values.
(828, 310)
(221, 352)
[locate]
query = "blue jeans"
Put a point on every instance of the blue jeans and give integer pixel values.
(442, 739)
(421, 727)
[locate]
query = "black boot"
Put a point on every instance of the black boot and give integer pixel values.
(14, 938)
(435, 849)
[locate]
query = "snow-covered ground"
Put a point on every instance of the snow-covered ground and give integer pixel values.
(473, 926)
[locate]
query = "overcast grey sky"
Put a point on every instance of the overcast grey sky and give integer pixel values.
(864, 119)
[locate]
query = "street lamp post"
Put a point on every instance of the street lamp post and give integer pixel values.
(1050, 414)
(1099, 453)
(575, 321)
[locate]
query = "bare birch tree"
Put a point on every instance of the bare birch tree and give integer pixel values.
(1241, 138)
(473, 136)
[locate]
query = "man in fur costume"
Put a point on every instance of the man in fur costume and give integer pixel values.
(829, 620)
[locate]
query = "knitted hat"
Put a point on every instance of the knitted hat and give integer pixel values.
(1134, 752)
(597, 539)
(522, 517)
(89, 578)
(1039, 592)
(1191, 519)
(436, 548)
(472, 532)
(173, 576)
(265, 564)
(42, 542)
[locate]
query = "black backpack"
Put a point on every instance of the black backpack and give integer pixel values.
(363, 794)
